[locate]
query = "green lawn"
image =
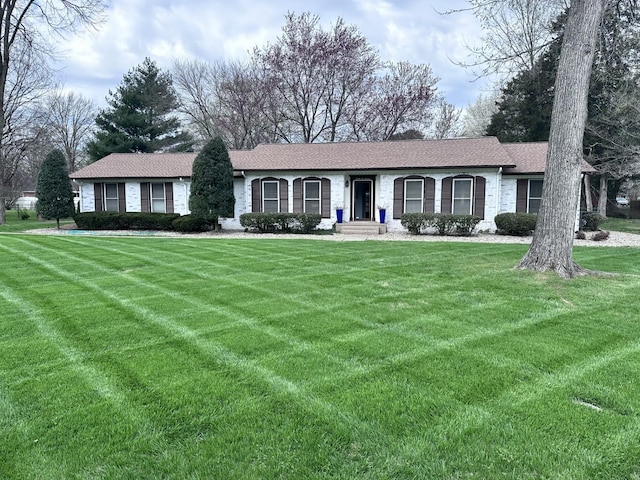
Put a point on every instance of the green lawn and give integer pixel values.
(15, 224)
(622, 225)
(307, 359)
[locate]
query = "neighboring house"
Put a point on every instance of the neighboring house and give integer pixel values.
(478, 176)
(27, 200)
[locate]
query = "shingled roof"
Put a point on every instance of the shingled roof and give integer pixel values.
(531, 157)
(454, 153)
(409, 154)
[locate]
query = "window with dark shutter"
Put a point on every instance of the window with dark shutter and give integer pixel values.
(145, 204)
(284, 195)
(521, 195)
(122, 201)
(326, 198)
(297, 195)
(429, 195)
(446, 195)
(168, 188)
(256, 196)
(479, 195)
(398, 197)
(97, 197)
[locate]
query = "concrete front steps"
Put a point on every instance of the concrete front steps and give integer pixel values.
(361, 228)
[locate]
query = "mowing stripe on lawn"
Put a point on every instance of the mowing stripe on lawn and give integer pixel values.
(352, 367)
(223, 354)
(260, 290)
(230, 358)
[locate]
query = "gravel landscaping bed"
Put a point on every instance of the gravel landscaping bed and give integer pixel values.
(616, 239)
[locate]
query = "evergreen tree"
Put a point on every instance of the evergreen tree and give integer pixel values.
(212, 183)
(141, 116)
(53, 190)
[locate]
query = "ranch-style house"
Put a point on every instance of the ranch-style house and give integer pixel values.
(478, 176)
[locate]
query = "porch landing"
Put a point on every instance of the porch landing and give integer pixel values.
(361, 228)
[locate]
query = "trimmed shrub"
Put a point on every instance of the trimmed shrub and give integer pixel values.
(444, 223)
(465, 224)
(592, 221)
(280, 222)
(124, 220)
(517, 224)
(600, 236)
(258, 222)
(190, 224)
(307, 222)
(414, 222)
(580, 235)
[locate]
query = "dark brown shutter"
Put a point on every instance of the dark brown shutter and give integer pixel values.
(325, 199)
(284, 196)
(97, 196)
(398, 197)
(297, 195)
(145, 203)
(168, 192)
(521, 195)
(122, 201)
(478, 198)
(429, 195)
(447, 193)
(256, 195)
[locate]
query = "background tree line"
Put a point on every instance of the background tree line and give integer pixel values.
(521, 110)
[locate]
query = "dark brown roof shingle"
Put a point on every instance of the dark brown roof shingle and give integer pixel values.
(531, 157)
(485, 152)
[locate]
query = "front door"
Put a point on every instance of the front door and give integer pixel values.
(362, 199)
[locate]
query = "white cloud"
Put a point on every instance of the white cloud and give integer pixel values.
(165, 30)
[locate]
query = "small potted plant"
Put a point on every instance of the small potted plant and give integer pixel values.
(383, 213)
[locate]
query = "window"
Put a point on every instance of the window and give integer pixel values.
(312, 196)
(158, 203)
(111, 197)
(271, 196)
(413, 192)
(535, 195)
(462, 196)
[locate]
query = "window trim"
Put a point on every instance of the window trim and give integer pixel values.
(454, 197)
(305, 197)
(406, 197)
(106, 198)
(270, 199)
(529, 197)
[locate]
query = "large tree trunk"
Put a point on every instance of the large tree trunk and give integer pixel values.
(552, 244)
(603, 198)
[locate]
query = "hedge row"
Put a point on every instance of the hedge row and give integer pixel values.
(443, 223)
(140, 221)
(280, 222)
(125, 221)
(517, 224)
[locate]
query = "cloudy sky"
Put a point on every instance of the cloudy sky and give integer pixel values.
(163, 30)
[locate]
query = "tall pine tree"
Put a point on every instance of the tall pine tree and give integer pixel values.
(212, 183)
(53, 190)
(141, 116)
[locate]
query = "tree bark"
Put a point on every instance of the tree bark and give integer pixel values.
(552, 244)
(603, 194)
